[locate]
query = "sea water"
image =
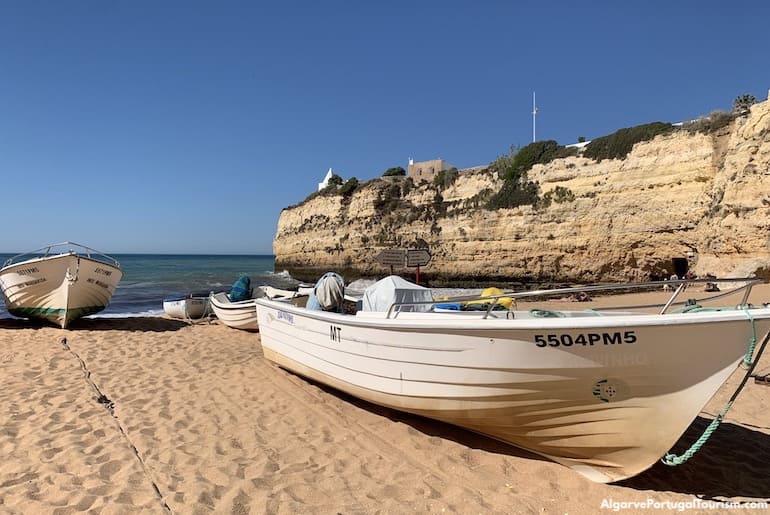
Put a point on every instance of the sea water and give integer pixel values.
(149, 278)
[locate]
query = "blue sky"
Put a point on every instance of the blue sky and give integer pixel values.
(185, 126)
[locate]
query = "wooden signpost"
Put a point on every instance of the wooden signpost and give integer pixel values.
(400, 257)
(391, 258)
(417, 258)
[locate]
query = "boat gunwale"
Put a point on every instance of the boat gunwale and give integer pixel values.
(230, 305)
(450, 321)
(680, 283)
(35, 255)
(177, 299)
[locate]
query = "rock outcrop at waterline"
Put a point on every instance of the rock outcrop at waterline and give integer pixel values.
(701, 198)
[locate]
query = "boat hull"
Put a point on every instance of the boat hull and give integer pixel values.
(238, 315)
(608, 408)
(186, 307)
(58, 288)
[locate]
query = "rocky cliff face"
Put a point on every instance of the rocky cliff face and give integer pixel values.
(703, 200)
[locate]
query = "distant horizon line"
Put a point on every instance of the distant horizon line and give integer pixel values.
(190, 254)
(171, 254)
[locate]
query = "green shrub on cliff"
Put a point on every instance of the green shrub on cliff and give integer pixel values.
(710, 123)
(518, 190)
(618, 144)
(515, 193)
(406, 186)
(445, 178)
(503, 163)
(388, 199)
(394, 172)
(439, 207)
(513, 165)
(540, 152)
(349, 187)
(559, 194)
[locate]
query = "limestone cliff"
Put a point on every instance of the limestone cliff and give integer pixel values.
(701, 199)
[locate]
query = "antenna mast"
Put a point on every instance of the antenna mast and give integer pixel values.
(534, 114)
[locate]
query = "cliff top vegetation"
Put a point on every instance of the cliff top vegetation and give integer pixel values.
(517, 190)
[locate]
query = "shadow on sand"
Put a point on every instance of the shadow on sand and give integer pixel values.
(133, 324)
(735, 462)
(429, 426)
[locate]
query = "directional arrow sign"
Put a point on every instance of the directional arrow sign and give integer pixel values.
(391, 257)
(417, 257)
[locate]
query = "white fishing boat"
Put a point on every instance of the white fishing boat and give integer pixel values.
(241, 314)
(274, 293)
(605, 393)
(59, 282)
(190, 307)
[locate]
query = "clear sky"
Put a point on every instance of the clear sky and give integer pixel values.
(186, 126)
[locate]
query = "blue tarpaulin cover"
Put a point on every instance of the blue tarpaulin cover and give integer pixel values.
(241, 289)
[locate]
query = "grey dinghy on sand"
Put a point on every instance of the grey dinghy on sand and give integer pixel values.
(59, 282)
(605, 393)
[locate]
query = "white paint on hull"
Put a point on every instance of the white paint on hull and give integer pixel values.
(238, 315)
(59, 288)
(609, 409)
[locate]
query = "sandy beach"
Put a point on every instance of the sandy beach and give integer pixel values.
(152, 415)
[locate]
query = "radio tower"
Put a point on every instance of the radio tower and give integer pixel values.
(534, 114)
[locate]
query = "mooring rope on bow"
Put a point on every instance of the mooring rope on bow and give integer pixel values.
(672, 459)
(752, 341)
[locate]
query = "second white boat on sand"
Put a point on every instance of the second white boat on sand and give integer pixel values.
(240, 314)
(59, 282)
(190, 307)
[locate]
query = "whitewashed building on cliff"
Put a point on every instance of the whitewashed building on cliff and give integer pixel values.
(324, 183)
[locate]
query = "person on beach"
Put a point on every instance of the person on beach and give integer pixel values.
(577, 297)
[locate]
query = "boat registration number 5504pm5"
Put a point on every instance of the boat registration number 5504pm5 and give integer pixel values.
(585, 339)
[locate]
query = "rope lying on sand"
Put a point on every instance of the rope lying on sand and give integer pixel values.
(672, 459)
(103, 399)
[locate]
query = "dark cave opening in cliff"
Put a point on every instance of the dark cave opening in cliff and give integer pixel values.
(680, 265)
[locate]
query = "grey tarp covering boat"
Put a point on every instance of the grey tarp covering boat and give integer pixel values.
(385, 292)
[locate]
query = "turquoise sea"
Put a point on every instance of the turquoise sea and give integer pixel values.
(149, 278)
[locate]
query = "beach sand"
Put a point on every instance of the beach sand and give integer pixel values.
(151, 415)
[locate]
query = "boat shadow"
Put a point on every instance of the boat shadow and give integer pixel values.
(432, 427)
(735, 462)
(132, 324)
